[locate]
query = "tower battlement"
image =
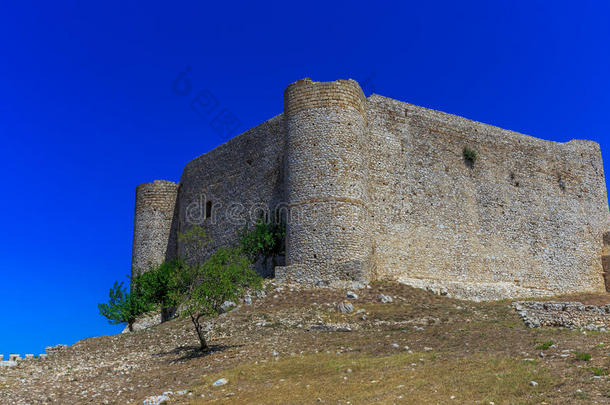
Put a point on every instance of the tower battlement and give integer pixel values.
(306, 94)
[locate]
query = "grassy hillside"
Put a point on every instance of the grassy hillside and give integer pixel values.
(294, 347)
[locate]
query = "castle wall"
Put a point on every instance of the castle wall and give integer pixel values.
(327, 235)
(240, 179)
(153, 234)
(527, 219)
(379, 189)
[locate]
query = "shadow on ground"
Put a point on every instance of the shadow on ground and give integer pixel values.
(189, 352)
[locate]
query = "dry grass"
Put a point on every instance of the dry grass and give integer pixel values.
(401, 378)
(271, 354)
(482, 353)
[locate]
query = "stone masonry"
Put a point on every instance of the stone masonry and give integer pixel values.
(153, 238)
(571, 315)
(374, 188)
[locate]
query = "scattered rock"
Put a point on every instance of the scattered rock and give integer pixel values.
(227, 306)
(533, 383)
(261, 294)
(220, 382)
(248, 300)
(55, 349)
(330, 328)
(351, 295)
(385, 298)
(156, 400)
(345, 307)
(146, 321)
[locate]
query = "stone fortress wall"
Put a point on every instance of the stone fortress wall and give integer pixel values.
(232, 185)
(527, 219)
(379, 189)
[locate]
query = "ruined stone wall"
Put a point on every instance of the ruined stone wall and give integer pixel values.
(153, 231)
(526, 219)
(572, 315)
(327, 235)
(239, 180)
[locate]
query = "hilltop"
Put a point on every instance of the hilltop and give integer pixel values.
(294, 346)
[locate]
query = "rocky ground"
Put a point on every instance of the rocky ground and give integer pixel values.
(296, 346)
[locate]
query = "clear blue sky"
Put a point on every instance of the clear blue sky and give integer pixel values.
(87, 110)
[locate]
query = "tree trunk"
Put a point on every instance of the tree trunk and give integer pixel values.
(200, 333)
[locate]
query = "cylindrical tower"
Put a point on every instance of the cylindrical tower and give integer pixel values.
(327, 232)
(154, 238)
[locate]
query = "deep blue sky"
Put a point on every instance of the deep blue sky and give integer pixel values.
(87, 110)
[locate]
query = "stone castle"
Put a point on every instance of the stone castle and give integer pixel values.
(374, 188)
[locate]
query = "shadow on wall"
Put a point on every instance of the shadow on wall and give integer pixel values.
(606, 260)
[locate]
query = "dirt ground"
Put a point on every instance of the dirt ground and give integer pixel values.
(294, 347)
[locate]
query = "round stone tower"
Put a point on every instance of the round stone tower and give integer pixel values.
(154, 236)
(327, 230)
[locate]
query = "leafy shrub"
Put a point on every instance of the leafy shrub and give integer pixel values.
(545, 345)
(599, 371)
(583, 356)
(124, 307)
(265, 240)
(470, 155)
(193, 240)
(200, 290)
(153, 285)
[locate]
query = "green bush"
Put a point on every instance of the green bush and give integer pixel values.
(200, 290)
(599, 371)
(582, 356)
(470, 155)
(193, 240)
(153, 285)
(124, 307)
(265, 239)
(545, 345)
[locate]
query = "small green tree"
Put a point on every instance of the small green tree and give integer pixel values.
(124, 307)
(470, 156)
(153, 285)
(200, 290)
(265, 240)
(193, 240)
